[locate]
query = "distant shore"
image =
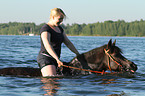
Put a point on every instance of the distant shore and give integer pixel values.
(106, 28)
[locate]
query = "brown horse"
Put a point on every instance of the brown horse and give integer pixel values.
(107, 57)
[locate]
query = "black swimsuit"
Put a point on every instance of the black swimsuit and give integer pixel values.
(56, 39)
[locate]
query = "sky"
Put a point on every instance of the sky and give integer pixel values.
(77, 11)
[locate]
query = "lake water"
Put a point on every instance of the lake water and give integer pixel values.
(21, 51)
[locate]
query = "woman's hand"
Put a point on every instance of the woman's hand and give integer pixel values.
(59, 63)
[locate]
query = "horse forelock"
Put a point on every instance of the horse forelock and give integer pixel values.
(113, 49)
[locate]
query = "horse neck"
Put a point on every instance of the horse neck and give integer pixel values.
(96, 54)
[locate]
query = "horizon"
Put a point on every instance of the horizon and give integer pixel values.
(75, 23)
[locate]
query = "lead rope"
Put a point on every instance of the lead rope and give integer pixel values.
(109, 56)
(85, 69)
(106, 51)
(78, 68)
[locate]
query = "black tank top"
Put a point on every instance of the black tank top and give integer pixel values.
(55, 38)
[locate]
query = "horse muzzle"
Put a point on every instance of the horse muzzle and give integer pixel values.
(132, 68)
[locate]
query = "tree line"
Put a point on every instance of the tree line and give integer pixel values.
(106, 28)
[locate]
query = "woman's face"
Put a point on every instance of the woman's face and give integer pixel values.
(58, 20)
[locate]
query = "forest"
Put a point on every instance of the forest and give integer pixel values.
(106, 28)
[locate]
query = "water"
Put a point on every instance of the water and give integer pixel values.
(21, 51)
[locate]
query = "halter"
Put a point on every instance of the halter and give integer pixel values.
(111, 57)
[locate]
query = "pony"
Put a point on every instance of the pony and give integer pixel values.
(98, 60)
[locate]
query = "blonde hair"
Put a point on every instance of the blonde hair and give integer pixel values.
(56, 12)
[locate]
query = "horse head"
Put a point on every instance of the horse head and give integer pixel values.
(116, 61)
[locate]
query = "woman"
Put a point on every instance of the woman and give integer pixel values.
(52, 36)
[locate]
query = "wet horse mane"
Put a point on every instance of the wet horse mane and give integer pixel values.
(100, 51)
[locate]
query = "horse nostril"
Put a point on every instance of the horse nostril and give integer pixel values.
(133, 66)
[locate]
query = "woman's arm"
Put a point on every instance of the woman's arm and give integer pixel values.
(48, 47)
(69, 44)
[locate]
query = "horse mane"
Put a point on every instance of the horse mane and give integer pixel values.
(117, 49)
(99, 50)
(95, 50)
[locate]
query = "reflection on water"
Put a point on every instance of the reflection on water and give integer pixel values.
(50, 85)
(108, 81)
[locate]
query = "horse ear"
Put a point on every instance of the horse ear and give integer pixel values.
(109, 44)
(114, 42)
